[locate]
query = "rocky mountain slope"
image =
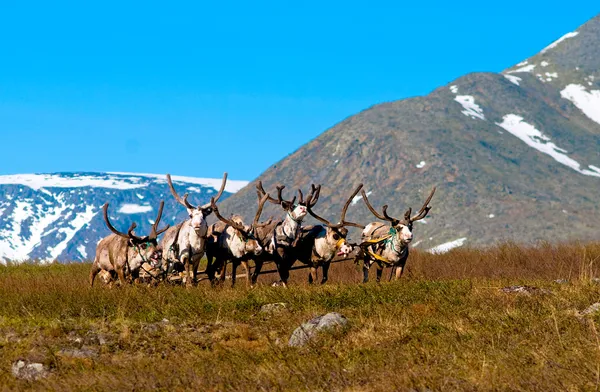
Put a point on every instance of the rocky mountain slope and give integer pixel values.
(59, 216)
(515, 155)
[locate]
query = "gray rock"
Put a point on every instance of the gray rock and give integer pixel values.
(29, 370)
(561, 281)
(591, 309)
(527, 290)
(309, 330)
(273, 308)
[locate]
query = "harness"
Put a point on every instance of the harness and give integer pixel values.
(388, 238)
(316, 256)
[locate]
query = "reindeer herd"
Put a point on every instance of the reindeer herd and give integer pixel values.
(123, 256)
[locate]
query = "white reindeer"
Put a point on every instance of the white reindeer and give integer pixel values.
(387, 246)
(185, 243)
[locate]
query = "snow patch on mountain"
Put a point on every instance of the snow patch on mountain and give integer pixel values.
(448, 246)
(513, 79)
(534, 138)
(81, 219)
(471, 108)
(527, 68)
(558, 41)
(134, 209)
(232, 186)
(587, 102)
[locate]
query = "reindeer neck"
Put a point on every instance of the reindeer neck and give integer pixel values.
(290, 225)
(394, 244)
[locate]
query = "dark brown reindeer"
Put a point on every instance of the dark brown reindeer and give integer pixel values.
(231, 240)
(281, 237)
(387, 246)
(185, 242)
(319, 244)
(122, 254)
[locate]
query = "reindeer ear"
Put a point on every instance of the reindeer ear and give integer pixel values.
(407, 215)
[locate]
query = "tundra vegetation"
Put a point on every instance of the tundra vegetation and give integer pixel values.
(446, 325)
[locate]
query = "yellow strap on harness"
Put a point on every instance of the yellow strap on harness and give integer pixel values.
(367, 243)
(340, 243)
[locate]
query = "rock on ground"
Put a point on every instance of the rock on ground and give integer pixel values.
(528, 290)
(309, 330)
(591, 309)
(29, 371)
(273, 308)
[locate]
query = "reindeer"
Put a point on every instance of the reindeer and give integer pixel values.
(230, 239)
(185, 242)
(123, 254)
(319, 244)
(280, 238)
(388, 245)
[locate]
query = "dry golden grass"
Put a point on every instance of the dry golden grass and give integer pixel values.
(445, 326)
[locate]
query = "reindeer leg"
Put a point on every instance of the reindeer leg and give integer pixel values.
(234, 266)
(210, 268)
(93, 273)
(312, 275)
(195, 265)
(325, 272)
(247, 269)
(379, 273)
(399, 271)
(366, 266)
(257, 267)
(121, 275)
(223, 272)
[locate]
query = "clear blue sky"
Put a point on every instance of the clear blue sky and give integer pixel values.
(197, 88)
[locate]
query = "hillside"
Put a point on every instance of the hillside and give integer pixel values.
(515, 155)
(58, 216)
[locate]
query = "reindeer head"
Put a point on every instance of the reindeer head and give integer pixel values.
(402, 227)
(296, 211)
(336, 233)
(246, 234)
(198, 214)
(145, 248)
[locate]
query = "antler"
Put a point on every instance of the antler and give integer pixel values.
(220, 192)
(385, 216)
(300, 196)
(182, 200)
(424, 210)
(261, 204)
(112, 228)
(229, 222)
(154, 233)
(261, 192)
(313, 196)
(343, 221)
(345, 209)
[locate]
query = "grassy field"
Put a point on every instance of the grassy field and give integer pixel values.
(444, 326)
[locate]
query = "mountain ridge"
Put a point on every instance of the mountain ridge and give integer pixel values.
(515, 154)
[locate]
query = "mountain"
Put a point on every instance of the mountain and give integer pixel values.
(58, 216)
(515, 155)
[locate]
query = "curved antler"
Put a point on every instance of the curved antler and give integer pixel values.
(261, 204)
(154, 232)
(223, 182)
(261, 191)
(181, 200)
(425, 209)
(370, 207)
(112, 228)
(229, 222)
(300, 196)
(343, 221)
(313, 196)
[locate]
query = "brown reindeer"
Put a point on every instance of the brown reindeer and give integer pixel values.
(231, 240)
(387, 246)
(319, 244)
(185, 243)
(280, 238)
(122, 254)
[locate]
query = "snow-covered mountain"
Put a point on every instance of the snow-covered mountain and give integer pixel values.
(58, 216)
